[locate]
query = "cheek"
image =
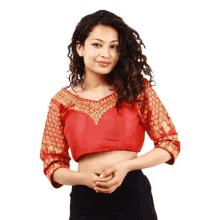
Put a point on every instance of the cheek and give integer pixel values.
(89, 58)
(116, 57)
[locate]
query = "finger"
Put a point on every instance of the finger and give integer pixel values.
(98, 182)
(108, 184)
(98, 172)
(108, 172)
(106, 179)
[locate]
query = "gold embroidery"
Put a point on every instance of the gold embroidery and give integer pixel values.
(166, 127)
(94, 109)
(156, 121)
(156, 128)
(54, 146)
(50, 149)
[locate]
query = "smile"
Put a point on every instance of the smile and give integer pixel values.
(103, 64)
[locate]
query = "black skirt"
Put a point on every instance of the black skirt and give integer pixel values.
(131, 201)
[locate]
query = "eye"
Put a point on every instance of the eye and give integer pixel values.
(115, 46)
(95, 44)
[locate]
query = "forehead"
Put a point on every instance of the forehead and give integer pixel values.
(104, 33)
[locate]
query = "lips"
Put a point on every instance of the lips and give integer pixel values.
(103, 62)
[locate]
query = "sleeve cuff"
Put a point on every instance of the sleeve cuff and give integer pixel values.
(50, 171)
(171, 148)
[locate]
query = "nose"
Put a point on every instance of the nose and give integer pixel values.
(104, 52)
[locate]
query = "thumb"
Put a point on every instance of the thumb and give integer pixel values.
(98, 172)
(106, 173)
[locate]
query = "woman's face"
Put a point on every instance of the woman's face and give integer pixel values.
(101, 45)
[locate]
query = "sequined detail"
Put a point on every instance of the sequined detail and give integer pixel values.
(157, 122)
(94, 109)
(54, 147)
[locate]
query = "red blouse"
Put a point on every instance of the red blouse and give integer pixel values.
(86, 126)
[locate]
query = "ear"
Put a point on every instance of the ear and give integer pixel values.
(79, 48)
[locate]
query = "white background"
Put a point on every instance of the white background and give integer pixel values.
(182, 48)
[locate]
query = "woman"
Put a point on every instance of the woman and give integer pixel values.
(103, 119)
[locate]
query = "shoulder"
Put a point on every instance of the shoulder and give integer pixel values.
(63, 97)
(75, 90)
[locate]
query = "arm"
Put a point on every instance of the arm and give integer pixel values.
(150, 159)
(54, 147)
(55, 156)
(160, 128)
(66, 176)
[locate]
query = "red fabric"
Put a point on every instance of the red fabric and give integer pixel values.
(87, 126)
(158, 124)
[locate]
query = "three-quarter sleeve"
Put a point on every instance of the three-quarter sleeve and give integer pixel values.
(54, 147)
(157, 123)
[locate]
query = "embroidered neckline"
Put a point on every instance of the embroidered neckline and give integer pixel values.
(88, 100)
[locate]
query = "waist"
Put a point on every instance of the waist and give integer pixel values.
(103, 160)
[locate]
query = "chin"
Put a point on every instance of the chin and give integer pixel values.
(104, 72)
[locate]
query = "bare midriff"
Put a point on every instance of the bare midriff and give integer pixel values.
(100, 160)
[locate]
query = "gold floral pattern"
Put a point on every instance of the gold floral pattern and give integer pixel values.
(152, 114)
(54, 147)
(157, 122)
(165, 126)
(94, 109)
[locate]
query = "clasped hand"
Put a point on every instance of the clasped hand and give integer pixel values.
(119, 171)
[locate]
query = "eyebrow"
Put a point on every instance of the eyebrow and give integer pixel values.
(102, 40)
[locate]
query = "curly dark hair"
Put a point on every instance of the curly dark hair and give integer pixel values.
(126, 77)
